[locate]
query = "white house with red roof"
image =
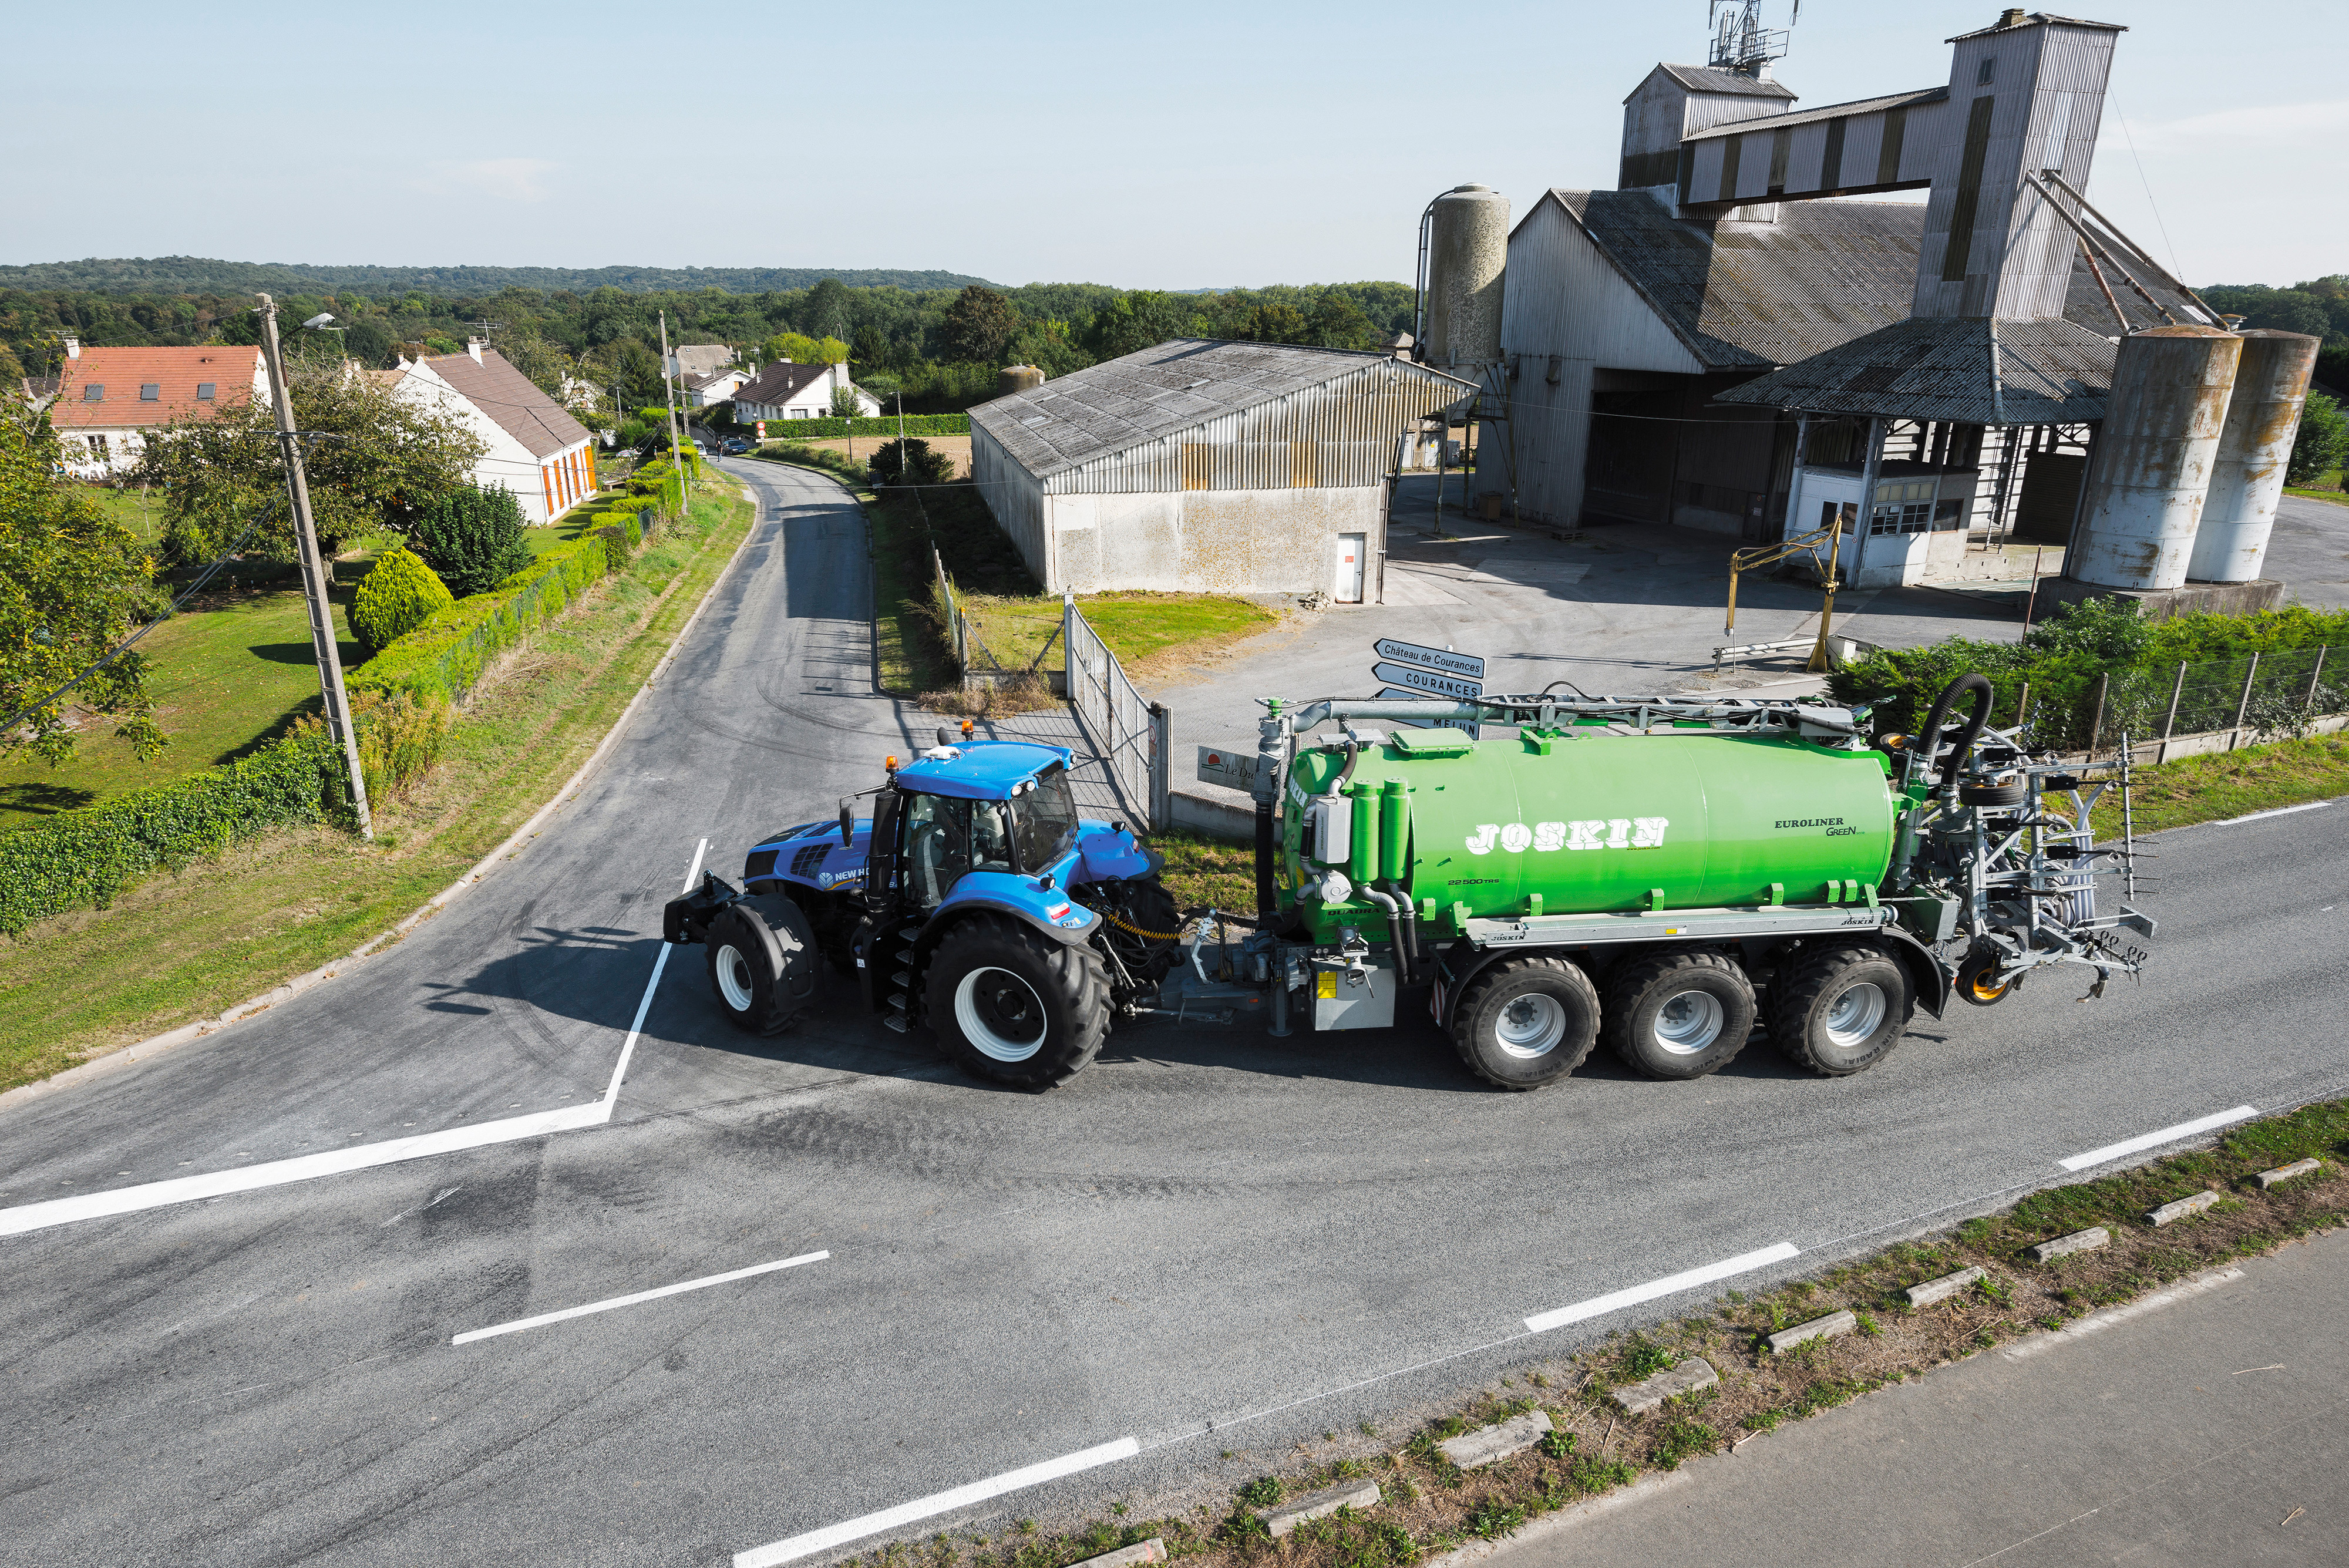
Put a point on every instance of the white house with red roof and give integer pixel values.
(535, 448)
(108, 399)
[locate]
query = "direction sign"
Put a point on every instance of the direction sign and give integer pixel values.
(1427, 681)
(1443, 660)
(1231, 768)
(1475, 730)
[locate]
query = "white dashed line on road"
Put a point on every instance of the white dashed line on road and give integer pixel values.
(702, 1283)
(832, 1535)
(1745, 1263)
(2153, 1139)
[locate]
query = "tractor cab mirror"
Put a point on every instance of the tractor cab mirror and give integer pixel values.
(847, 821)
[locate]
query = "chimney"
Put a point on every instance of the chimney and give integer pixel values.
(73, 348)
(474, 346)
(2012, 18)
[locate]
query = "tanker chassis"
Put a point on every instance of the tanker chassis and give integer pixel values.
(1669, 875)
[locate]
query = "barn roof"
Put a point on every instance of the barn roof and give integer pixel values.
(1124, 403)
(1970, 370)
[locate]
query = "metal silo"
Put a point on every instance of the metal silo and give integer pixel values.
(1018, 378)
(2254, 449)
(2153, 459)
(1467, 246)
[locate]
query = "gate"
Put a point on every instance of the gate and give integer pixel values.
(1128, 732)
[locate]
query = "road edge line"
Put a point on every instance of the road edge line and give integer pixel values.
(286, 991)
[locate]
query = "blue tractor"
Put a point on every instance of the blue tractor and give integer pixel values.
(974, 899)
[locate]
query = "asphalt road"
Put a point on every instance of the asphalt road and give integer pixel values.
(1208, 1240)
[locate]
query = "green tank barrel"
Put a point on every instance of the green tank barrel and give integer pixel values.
(1561, 825)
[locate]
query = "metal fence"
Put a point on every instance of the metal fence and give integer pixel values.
(2271, 694)
(1128, 732)
(957, 625)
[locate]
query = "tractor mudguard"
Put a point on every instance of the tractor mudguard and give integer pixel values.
(685, 921)
(1048, 910)
(1111, 855)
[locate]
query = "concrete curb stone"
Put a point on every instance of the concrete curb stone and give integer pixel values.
(1151, 1551)
(2087, 1240)
(1827, 1327)
(1283, 1517)
(2286, 1172)
(1491, 1445)
(1948, 1285)
(1670, 1383)
(2184, 1209)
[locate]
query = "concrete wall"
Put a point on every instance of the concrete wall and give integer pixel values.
(1204, 541)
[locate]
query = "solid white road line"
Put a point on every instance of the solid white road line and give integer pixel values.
(305, 1168)
(544, 1318)
(1745, 1263)
(2166, 1135)
(27, 1217)
(2263, 815)
(816, 1540)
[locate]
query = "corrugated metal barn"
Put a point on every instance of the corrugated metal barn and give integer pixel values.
(1199, 466)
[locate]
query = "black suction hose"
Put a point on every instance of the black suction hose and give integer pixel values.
(1930, 735)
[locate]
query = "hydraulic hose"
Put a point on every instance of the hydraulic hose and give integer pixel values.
(1404, 969)
(1268, 909)
(1930, 735)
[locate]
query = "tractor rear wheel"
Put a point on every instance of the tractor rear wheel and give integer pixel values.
(763, 963)
(1527, 1022)
(1015, 1006)
(1840, 1009)
(1679, 1015)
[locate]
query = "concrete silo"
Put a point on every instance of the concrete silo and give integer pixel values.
(1467, 246)
(1014, 378)
(2254, 449)
(2154, 457)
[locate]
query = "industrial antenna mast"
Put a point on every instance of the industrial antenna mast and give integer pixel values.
(1740, 41)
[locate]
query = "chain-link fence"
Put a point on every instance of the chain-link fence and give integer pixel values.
(1127, 729)
(2274, 694)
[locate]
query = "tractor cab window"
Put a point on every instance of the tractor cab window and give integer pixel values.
(937, 847)
(990, 837)
(1043, 820)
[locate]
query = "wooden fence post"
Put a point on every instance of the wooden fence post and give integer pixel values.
(2176, 690)
(2315, 676)
(2097, 727)
(2244, 706)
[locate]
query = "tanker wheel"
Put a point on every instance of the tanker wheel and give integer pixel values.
(743, 973)
(1015, 1006)
(1840, 1009)
(1978, 980)
(1679, 1015)
(1527, 1022)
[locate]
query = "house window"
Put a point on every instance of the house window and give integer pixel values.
(204, 390)
(1988, 69)
(1907, 517)
(98, 448)
(150, 391)
(799, 414)
(94, 393)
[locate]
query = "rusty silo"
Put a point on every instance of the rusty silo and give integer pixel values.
(1018, 378)
(2254, 449)
(2153, 458)
(1467, 246)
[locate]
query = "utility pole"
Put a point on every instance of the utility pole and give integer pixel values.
(669, 390)
(313, 573)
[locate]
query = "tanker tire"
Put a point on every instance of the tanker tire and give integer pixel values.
(1679, 1015)
(1977, 976)
(742, 975)
(1014, 1006)
(1547, 1004)
(1822, 1017)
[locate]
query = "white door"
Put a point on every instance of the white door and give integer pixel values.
(1350, 568)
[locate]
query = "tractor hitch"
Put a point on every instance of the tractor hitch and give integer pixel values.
(685, 921)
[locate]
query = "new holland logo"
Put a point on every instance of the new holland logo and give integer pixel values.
(1610, 832)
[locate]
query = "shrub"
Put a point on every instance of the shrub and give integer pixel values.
(869, 424)
(2321, 444)
(399, 737)
(910, 462)
(446, 655)
(87, 856)
(472, 537)
(399, 593)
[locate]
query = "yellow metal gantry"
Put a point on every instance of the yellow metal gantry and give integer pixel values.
(1755, 556)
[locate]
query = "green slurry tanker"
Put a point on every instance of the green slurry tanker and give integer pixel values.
(1670, 875)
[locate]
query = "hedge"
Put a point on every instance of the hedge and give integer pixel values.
(90, 855)
(885, 425)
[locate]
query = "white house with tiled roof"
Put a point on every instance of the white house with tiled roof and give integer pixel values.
(108, 399)
(783, 391)
(535, 448)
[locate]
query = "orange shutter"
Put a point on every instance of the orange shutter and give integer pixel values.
(546, 482)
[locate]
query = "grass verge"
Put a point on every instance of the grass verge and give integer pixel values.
(2231, 784)
(1429, 1506)
(186, 945)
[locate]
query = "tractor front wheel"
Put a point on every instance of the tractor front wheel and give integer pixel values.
(1015, 1006)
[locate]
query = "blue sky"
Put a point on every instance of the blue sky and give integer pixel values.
(1161, 147)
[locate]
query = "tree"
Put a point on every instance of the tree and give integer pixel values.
(910, 462)
(472, 538)
(1139, 320)
(73, 585)
(846, 403)
(2322, 443)
(1335, 322)
(546, 364)
(825, 311)
(801, 349)
(979, 326)
(372, 460)
(1274, 324)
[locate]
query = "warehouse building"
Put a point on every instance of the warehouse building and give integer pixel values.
(1199, 466)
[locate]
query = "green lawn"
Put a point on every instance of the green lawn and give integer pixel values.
(225, 676)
